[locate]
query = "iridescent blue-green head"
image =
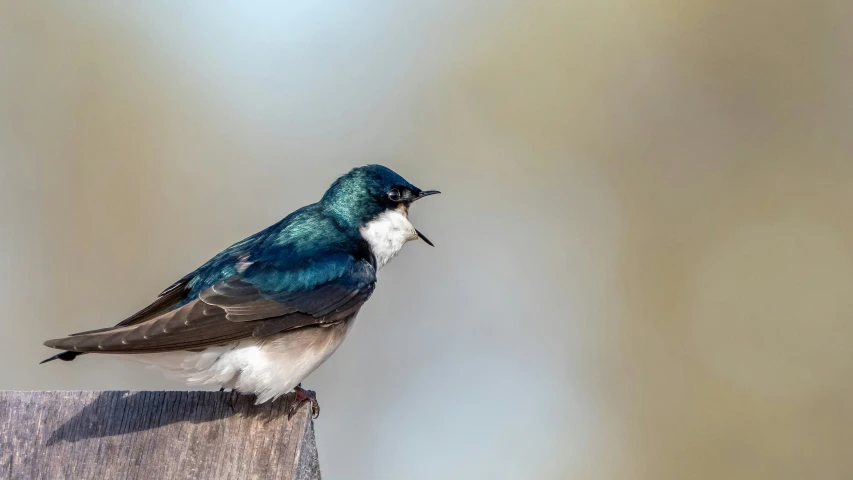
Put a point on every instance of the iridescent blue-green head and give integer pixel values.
(376, 200)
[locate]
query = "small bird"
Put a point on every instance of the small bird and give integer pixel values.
(263, 314)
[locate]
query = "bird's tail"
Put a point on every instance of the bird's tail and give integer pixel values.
(64, 356)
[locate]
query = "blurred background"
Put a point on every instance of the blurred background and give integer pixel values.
(644, 262)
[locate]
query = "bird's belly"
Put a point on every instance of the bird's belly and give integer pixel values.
(268, 367)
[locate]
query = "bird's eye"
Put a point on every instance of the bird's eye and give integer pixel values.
(394, 195)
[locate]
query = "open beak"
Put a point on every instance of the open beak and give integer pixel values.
(420, 195)
(422, 237)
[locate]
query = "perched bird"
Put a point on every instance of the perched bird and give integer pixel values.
(263, 314)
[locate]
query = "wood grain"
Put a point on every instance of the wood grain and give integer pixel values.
(153, 435)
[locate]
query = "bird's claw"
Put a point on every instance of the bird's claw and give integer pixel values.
(234, 398)
(301, 396)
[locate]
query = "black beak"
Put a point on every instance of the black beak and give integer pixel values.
(426, 193)
(421, 194)
(422, 237)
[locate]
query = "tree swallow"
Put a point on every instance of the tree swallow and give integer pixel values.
(267, 311)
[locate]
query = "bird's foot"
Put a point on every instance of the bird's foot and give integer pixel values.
(234, 398)
(301, 396)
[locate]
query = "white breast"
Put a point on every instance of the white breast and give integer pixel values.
(268, 368)
(387, 234)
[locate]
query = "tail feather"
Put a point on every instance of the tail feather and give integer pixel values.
(64, 356)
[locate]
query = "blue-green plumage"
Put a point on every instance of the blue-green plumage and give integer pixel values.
(300, 280)
(311, 246)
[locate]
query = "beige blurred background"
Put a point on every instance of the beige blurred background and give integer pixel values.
(644, 262)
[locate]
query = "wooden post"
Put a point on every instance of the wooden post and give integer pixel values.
(153, 435)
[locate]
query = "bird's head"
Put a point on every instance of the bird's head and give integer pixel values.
(375, 200)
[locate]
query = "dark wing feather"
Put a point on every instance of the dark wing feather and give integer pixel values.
(243, 302)
(165, 302)
(232, 310)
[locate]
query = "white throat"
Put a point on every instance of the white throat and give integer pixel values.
(387, 233)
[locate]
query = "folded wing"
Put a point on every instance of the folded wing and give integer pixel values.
(259, 302)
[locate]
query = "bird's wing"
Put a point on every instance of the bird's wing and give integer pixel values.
(166, 301)
(259, 302)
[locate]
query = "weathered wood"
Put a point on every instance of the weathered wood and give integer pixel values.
(153, 435)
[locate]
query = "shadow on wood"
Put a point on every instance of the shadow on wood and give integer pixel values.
(153, 435)
(155, 410)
